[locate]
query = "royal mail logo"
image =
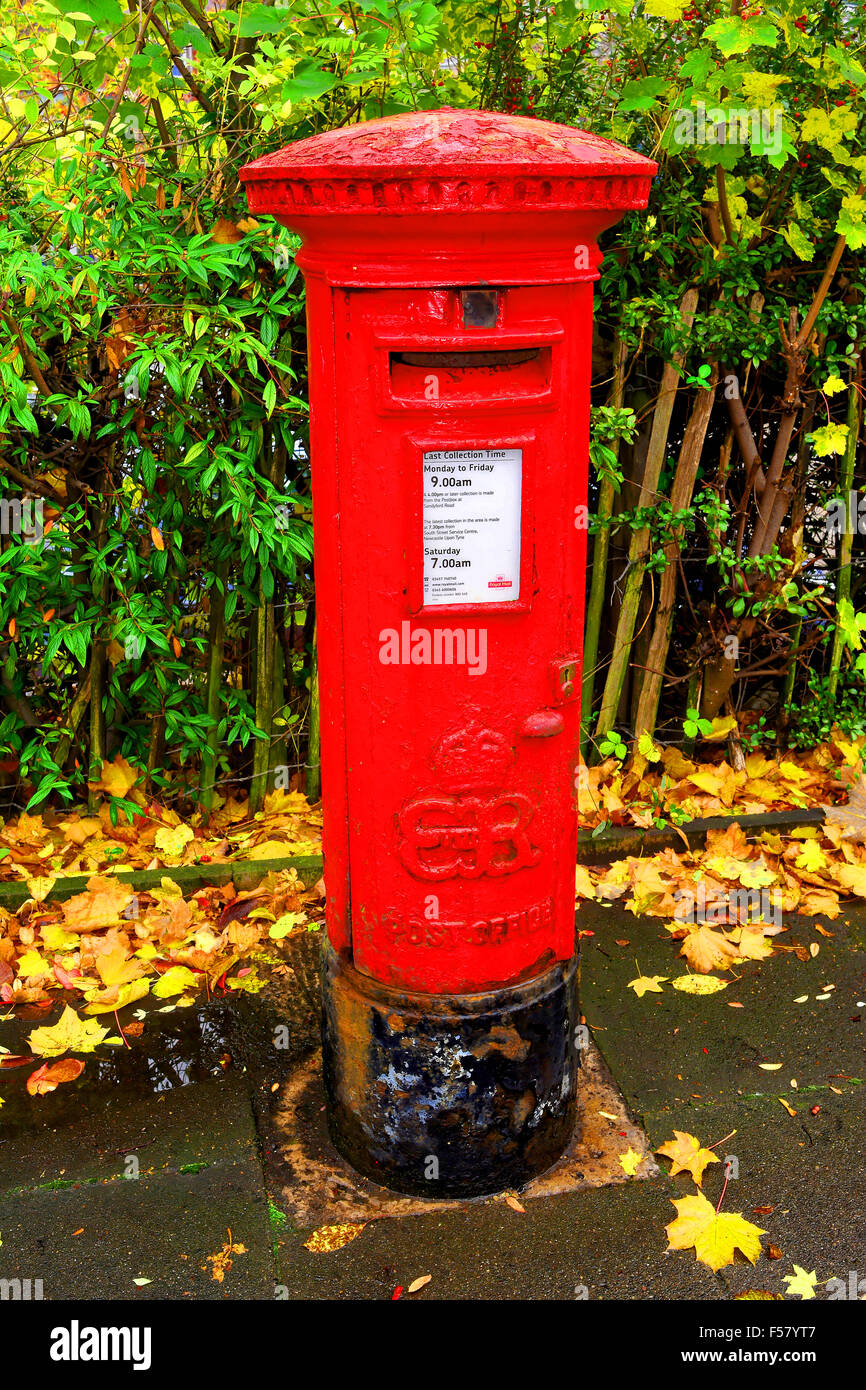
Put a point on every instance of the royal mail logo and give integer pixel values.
(500, 581)
(467, 836)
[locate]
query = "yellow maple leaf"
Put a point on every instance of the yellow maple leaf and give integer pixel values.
(811, 857)
(714, 1235)
(687, 1155)
(647, 984)
(116, 778)
(631, 1161)
(115, 968)
(173, 839)
(751, 943)
(707, 950)
(71, 1033)
(101, 905)
(802, 1283)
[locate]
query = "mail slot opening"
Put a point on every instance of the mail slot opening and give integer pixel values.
(479, 374)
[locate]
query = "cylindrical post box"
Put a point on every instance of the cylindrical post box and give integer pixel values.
(449, 258)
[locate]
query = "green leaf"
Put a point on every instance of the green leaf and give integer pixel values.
(798, 241)
(732, 34)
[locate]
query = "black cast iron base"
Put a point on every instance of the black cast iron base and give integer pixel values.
(450, 1095)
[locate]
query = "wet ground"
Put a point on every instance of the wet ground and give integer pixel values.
(211, 1123)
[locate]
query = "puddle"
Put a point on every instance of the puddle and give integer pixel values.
(262, 1035)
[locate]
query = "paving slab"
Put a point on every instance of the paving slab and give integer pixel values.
(124, 1136)
(91, 1241)
(603, 1243)
(808, 1168)
(672, 1048)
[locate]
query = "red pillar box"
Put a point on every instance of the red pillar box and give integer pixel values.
(449, 258)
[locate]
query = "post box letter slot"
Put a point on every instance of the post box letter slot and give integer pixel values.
(492, 375)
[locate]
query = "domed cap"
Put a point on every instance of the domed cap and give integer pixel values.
(449, 160)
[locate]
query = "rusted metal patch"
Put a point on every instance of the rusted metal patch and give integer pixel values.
(315, 1187)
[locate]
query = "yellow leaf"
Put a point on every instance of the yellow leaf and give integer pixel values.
(722, 726)
(687, 1155)
(70, 1034)
(707, 950)
(31, 964)
(715, 1236)
(173, 839)
(811, 857)
(631, 1161)
(583, 884)
(852, 877)
(115, 968)
(647, 984)
(56, 939)
(101, 906)
(175, 980)
(329, 1238)
(107, 1001)
(709, 782)
(699, 984)
(116, 778)
(648, 749)
(156, 537)
(802, 1283)
(419, 1283)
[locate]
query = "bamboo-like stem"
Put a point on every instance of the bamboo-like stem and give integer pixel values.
(843, 579)
(639, 548)
(681, 496)
(314, 772)
(215, 648)
(600, 553)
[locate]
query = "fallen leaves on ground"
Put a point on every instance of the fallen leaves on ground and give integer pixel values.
(52, 1074)
(223, 1260)
(687, 1155)
(144, 834)
(647, 984)
(669, 785)
(801, 1283)
(631, 1161)
(716, 1236)
(329, 1238)
(70, 1034)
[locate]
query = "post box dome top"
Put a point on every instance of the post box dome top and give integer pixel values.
(449, 160)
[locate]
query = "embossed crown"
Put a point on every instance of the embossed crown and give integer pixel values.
(472, 756)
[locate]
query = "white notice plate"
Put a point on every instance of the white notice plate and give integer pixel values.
(472, 525)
